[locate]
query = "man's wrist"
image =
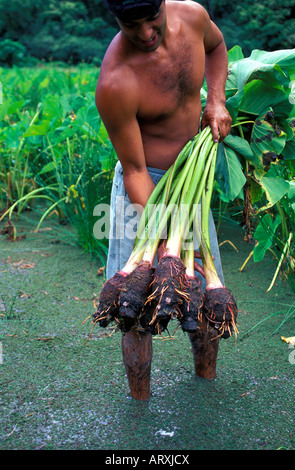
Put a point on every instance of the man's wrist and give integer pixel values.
(215, 99)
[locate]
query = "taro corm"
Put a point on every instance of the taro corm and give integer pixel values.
(191, 307)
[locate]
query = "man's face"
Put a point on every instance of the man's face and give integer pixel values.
(146, 33)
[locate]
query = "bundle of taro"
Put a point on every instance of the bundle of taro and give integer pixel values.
(147, 297)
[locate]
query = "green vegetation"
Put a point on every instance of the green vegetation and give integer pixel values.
(54, 149)
(76, 31)
(256, 163)
(66, 31)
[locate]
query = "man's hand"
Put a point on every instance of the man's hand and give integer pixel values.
(217, 116)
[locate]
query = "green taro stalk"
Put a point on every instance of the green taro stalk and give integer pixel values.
(219, 307)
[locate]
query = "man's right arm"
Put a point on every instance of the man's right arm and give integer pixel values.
(117, 104)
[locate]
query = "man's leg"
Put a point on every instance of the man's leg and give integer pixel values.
(137, 358)
(205, 348)
(136, 347)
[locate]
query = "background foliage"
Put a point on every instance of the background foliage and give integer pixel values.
(80, 31)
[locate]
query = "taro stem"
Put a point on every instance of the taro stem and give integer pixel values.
(220, 307)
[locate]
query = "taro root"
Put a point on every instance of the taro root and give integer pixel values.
(133, 295)
(167, 291)
(191, 307)
(108, 304)
(220, 309)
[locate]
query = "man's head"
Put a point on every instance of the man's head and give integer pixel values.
(129, 10)
(143, 22)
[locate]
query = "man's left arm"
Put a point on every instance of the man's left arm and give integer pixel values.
(215, 113)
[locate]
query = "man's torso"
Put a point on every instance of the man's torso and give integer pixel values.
(169, 82)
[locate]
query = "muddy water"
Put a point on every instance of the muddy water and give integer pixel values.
(59, 393)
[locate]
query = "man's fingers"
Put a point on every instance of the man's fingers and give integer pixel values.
(215, 132)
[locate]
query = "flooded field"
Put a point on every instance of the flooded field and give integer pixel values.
(61, 389)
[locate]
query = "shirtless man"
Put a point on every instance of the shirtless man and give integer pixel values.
(148, 96)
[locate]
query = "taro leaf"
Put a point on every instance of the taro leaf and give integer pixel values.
(240, 145)
(12, 134)
(233, 104)
(264, 234)
(243, 71)
(235, 54)
(37, 129)
(274, 69)
(289, 127)
(203, 94)
(259, 96)
(291, 192)
(87, 121)
(284, 58)
(275, 189)
(289, 151)
(229, 173)
(256, 190)
(267, 142)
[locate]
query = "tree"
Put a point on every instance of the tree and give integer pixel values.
(253, 24)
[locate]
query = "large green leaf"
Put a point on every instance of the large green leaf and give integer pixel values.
(240, 146)
(285, 58)
(259, 96)
(275, 189)
(233, 103)
(243, 71)
(37, 129)
(264, 234)
(267, 142)
(235, 54)
(291, 192)
(289, 151)
(229, 173)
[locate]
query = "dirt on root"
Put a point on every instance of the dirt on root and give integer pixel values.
(221, 310)
(134, 294)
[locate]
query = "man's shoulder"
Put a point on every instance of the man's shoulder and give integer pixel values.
(188, 11)
(117, 83)
(115, 71)
(185, 5)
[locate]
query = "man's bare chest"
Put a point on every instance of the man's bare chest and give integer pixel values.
(170, 84)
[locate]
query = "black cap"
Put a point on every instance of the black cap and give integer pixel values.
(128, 10)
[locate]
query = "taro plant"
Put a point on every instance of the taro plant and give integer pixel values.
(62, 150)
(256, 161)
